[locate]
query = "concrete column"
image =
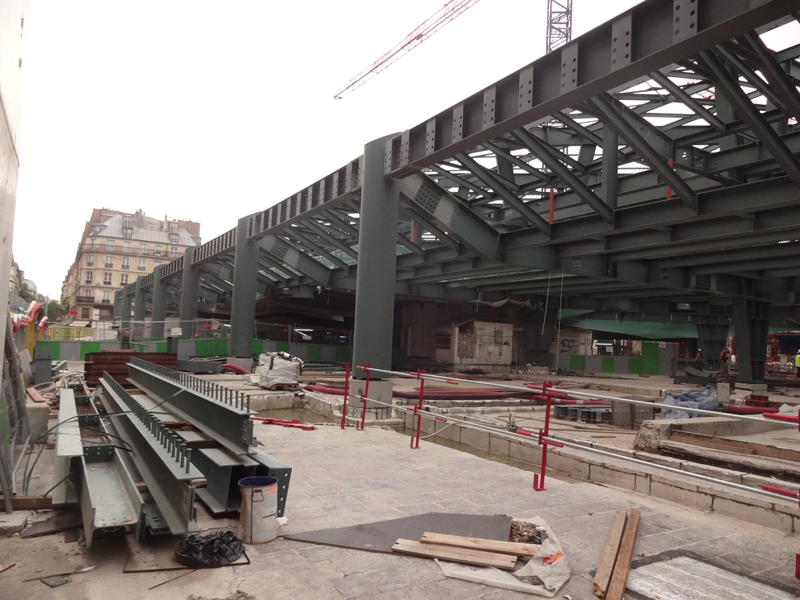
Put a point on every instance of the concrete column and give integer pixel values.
(190, 293)
(115, 312)
(139, 306)
(377, 257)
(159, 304)
(243, 303)
(125, 311)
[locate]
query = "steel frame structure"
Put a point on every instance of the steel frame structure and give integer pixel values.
(649, 162)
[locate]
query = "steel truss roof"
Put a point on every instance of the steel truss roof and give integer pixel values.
(668, 138)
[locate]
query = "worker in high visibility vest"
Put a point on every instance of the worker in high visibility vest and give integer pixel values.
(797, 364)
(724, 363)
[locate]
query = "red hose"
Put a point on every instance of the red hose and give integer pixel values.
(788, 418)
(235, 369)
(750, 410)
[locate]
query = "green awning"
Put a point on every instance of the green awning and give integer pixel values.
(644, 329)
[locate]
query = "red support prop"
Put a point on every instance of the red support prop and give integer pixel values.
(346, 392)
(366, 368)
(417, 409)
(670, 162)
(538, 479)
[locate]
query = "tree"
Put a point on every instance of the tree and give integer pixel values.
(26, 293)
(53, 310)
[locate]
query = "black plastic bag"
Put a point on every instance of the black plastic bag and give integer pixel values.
(215, 549)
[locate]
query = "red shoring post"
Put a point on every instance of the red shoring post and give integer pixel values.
(670, 162)
(538, 479)
(366, 367)
(417, 409)
(346, 392)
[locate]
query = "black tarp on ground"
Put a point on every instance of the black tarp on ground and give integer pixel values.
(382, 535)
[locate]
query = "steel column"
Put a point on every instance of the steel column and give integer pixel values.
(190, 291)
(243, 304)
(377, 249)
(159, 312)
(751, 326)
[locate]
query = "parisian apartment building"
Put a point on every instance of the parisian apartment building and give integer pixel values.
(115, 249)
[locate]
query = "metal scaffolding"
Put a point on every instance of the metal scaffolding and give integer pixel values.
(649, 165)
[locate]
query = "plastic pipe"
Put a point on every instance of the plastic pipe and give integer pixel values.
(235, 369)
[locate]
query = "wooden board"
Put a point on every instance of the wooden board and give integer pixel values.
(606, 567)
(29, 502)
(70, 519)
(718, 443)
(619, 579)
(460, 555)
(473, 543)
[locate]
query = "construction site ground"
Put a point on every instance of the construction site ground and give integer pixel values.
(349, 477)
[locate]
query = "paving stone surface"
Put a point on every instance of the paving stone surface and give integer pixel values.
(373, 475)
(347, 477)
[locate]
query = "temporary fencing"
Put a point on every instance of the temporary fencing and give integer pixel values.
(552, 395)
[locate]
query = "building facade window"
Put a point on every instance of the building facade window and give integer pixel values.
(109, 245)
(159, 249)
(84, 313)
(173, 252)
(106, 278)
(173, 238)
(126, 263)
(126, 247)
(106, 296)
(173, 227)
(88, 277)
(142, 264)
(109, 264)
(90, 260)
(93, 244)
(142, 248)
(123, 279)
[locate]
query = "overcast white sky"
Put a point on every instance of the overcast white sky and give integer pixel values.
(213, 110)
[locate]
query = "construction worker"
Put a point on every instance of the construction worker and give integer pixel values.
(724, 363)
(797, 364)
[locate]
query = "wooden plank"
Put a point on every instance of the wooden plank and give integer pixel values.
(29, 502)
(717, 443)
(473, 543)
(619, 579)
(35, 395)
(606, 566)
(460, 555)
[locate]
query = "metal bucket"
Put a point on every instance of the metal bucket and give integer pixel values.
(258, 521)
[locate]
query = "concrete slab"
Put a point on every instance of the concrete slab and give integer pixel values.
(13, 523)
(342, 478)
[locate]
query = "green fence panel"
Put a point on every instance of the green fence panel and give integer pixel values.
(282, 346)
(635, 365)
(258, 347)
(577, 362)
(344, 354)
(55, 345)
(221, 347)
(551, 360)
(161, 347)
(204, 348)
(89, 347)
(314, 353)
(651, 365)
(607, 364)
